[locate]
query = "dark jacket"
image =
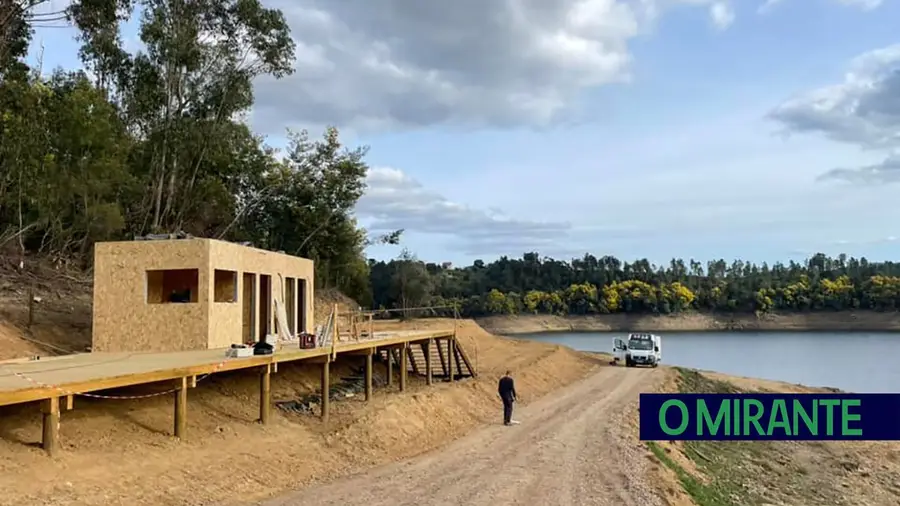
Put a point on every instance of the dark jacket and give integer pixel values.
(506, 388)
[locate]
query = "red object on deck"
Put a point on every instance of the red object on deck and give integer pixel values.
(307, 341)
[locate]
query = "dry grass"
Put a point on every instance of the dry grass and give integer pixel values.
(737, 473)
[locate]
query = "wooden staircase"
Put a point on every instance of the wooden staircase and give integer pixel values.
(442, 360)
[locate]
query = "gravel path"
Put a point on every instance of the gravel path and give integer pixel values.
(568, 450)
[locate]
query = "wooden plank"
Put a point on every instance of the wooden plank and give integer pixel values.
(325, 390)
(265, 394)
(426, 350)
(440, 351)
(465, 358)
(106, 383)
(450, 353)
(50, 419)
(362, 352)
(207, 365)
(337, 334)
(404, 353)
(412, 359)
(369, 377)
(181, 409)
(456, 350)
(390, 367)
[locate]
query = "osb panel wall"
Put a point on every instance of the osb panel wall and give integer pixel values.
(226, 321)
(124, 321)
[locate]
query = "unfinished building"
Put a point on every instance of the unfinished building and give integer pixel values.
(195, 294)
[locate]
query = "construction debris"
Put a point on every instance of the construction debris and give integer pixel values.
(348, 387)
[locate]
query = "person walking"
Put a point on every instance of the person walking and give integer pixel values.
(507, 391)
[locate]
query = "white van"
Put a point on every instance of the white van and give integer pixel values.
(638, 349)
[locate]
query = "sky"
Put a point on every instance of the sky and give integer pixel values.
(764, 130)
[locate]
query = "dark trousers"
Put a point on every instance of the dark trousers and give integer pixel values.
(507, 409)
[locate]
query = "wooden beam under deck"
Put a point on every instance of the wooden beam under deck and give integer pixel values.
(404, 351)
(50, 432)
(427, 346)
(326, 390)
(181, 408)
(369, 388)
(265, 394)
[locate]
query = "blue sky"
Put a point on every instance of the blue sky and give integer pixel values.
(646, 128)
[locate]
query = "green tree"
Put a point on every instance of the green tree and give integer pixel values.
(589, 284)
(411, 284)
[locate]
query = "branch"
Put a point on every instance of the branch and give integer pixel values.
(392, 238)
(262, 194)
(314, 232)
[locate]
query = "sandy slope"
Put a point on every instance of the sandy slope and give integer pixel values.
(567, 451)
(119, 452)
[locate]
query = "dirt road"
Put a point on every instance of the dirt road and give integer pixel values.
(570, 449)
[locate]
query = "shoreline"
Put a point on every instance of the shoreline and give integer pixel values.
(843, 321)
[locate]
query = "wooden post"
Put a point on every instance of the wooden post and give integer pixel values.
(70, 402)
(390, 367)
(326, 388)
(265, 394)
(428, 366)
(450, 354)
(50, 411)
(412, 360)
(369, 375)
(181, 409)
(456, 355)
(404, 351)
(371, 327)
(440, 350)
(337, 331)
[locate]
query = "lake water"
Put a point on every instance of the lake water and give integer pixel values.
(857, 362)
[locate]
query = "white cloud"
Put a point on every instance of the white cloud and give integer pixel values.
(887, 171)
(768, 5)
(501, 63)
(394, 200)
(863, 110)
(865, 5)
(722, 15)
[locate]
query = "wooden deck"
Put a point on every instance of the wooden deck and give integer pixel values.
(90, 372)
(56, 381)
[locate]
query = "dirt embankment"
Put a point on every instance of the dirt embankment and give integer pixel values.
(696, 322)
(120, 451)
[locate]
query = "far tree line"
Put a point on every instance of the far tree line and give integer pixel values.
(604, 285)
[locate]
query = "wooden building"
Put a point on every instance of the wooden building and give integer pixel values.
(194, 294)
